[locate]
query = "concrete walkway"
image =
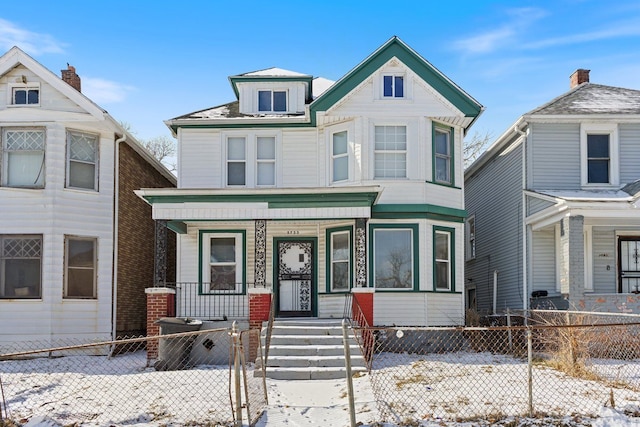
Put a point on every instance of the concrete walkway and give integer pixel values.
(298, 403)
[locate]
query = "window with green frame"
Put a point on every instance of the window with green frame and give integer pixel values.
(222, 263)
(394, 256)
(339, 259)
(443, 165)
(443, 259)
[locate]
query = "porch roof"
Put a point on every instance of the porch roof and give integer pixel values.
(183, 205)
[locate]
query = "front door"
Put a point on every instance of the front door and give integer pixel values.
(295, 278)
(629, 264)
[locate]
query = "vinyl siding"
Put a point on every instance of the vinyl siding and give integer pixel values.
(301, 159)
(604, 254)
(554, 151)
(543, 261)
(494, 196)
(629, 135)
(200, 157)
(394, 308)
(535, 205)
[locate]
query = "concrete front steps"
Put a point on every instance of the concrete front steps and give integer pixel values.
(310, 349)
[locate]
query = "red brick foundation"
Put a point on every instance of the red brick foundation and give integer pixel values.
(259, 309)
(160, 303)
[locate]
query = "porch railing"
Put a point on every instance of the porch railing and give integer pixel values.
(192, 302)
(360, 326)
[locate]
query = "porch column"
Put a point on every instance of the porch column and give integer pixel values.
(160, 258)
(261, 253)
(160, 303)
(572, 259)
(361, 253)
(259, 310)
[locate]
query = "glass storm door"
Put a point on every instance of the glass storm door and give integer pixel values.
(295, 278)
(629, 264)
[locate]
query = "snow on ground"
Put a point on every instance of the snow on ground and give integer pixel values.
(97, 391)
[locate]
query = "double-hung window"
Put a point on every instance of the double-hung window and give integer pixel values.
(339, 259)
(20, 266)
(80, 267)
(236, 160)
(598, 159)
(442, 155)
(599, 155)
(443, 259)
(339, 156)
(393, 86)
(390, 152)
(23, 158)
(223, 262)
(266, 160)
(82, 160)
(394, 253)
(272, 101)
(251, 160)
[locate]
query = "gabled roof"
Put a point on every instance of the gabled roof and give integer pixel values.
(16, 56)
(589, 98)
(395, 47)
(327, 93)
(271, 75)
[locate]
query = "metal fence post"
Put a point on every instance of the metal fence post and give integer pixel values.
(347, 365)
(530, 369)
(236, 369)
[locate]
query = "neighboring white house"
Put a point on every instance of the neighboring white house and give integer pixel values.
(76, 244)
(309, 188)
(553, 206)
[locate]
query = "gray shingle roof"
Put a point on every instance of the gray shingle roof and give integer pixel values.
(229, 111)
(590, 98)
(632, 188)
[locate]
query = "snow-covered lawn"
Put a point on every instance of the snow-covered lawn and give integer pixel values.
(437, 390)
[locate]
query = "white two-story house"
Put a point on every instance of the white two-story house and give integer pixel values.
(553, 206)
(309, 188)
(76, 244)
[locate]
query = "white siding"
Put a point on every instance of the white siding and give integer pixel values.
(55, 212)
(394, 308)
(301, 159)
(200, 157)
(445, 309)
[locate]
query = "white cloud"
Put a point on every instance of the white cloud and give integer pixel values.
(503, 35)
(617, 30)
(102, 91)
(32, 43)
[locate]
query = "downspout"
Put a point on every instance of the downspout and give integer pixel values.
(525, 284)
(116, 207)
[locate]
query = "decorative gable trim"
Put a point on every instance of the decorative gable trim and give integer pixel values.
(398, 49)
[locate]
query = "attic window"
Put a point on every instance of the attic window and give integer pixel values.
(393, 86)
(25, 94)
(272, 101)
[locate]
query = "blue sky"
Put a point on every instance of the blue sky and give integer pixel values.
(148, 61)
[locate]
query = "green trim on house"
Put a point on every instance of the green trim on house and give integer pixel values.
(416, 255)
(328, 258)
(439, 127)
(452, 257)
(396, 48)
(177, 227)
(276, 262)
(275, 201)
(304, 79)
(417, 210)
(201, 260)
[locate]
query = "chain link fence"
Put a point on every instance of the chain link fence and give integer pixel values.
(557, 365)
(191, 380)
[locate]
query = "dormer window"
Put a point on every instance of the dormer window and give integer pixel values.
(272, 101)
(393, 86)
(25, 94)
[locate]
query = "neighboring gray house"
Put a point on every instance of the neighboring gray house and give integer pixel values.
(574, 165)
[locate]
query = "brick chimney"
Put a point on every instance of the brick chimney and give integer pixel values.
(578, 77)
(69, 75)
